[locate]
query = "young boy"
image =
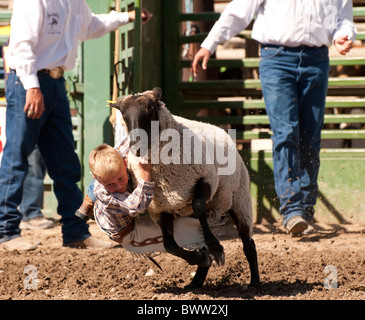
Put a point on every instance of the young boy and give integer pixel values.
(117, 208)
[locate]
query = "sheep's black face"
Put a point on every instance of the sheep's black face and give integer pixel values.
(138, 112)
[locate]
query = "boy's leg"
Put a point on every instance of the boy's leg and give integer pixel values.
(86, 210)
(146, 236)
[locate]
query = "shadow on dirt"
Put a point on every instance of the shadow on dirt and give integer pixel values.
(271, 289)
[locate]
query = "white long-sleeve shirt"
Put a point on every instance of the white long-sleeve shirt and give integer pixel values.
(45, 34)
(285, 22)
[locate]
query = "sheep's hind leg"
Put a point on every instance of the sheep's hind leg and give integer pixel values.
(200, 258)
(199, 278)
(215, 249)
(249, 248)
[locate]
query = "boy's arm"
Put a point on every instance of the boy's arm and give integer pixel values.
(138, 201)
(142, 196)
(123, 147)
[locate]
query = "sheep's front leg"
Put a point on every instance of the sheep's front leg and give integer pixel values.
(200, 258)
(215, 249)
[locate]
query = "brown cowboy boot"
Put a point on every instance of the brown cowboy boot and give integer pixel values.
(86, 211)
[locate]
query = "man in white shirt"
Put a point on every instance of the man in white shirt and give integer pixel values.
(294, 69)
(43, 43)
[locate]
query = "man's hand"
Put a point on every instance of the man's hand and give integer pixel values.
(145, 15)
(34, 103)
(343, 45)
(202, 54)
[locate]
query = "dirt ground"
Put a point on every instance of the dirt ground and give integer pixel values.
(328, 264)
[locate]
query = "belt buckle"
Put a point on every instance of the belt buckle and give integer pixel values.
(56, 73)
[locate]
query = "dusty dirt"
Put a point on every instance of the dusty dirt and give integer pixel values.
(291, 268)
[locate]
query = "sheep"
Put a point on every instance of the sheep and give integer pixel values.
(183, 185)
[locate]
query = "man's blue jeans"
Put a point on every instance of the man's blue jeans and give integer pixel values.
(294, 84)
(53, 135)
(33, 188)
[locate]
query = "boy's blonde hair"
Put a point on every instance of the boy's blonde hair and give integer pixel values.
(105, 162)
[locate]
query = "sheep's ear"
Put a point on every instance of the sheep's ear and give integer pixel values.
(157, 92)
(116, 105)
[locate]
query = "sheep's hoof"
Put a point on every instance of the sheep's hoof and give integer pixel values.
(199, 278)
(254, 284)
(193, 285)
(217, 255)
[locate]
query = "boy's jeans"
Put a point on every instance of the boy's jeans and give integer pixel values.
(294, 84)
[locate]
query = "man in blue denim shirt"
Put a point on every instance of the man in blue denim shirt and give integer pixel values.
(294, 70)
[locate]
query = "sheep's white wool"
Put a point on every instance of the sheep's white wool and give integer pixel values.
(174, 182)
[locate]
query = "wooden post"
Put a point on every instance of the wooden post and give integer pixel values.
(112, 117)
